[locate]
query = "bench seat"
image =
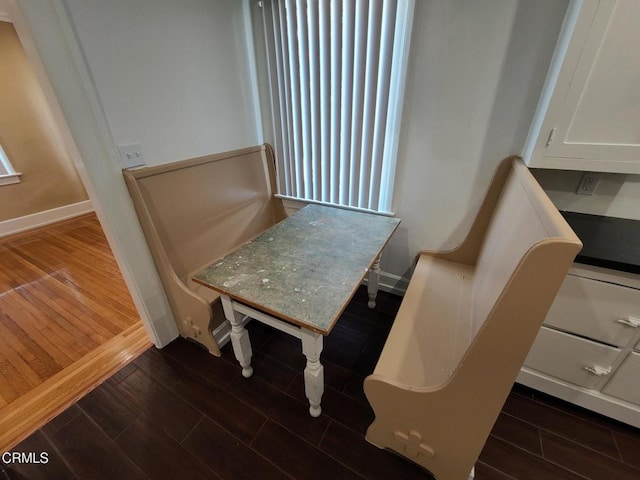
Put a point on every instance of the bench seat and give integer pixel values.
(465, 326)
(438, 289)
(193, 212)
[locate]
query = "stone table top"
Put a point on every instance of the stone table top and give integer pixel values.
(306, 268)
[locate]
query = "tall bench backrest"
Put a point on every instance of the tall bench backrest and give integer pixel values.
(204, 207)
(520, 220)
(195, 211)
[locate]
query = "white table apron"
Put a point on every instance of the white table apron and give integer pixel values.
(311, 341)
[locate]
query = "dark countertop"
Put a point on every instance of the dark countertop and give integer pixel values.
(609, 242)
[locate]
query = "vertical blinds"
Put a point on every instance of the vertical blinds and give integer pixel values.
(336, 70)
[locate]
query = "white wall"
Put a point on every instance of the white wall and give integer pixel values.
(157, 67)
(171, 75)
(475, 74)
(616, 195)
(4, 11)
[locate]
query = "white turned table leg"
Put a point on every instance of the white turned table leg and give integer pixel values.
(314, 371)
(239, 337)
(374, 280)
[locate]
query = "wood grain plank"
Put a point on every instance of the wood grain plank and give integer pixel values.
(54, 469)
(279, 446)
(91, 454)
(509, 459)
(74, 269)
(100, 296)
(584, 461)
(351, 449)
(561, 423)
(38, 359)
(49, 325)
(55, 293)
(517, 432)
(282, 408)
(29, 412)
(155, 400)
(109, 408)
(227, 456)
(220, 406)
(160, 456)
(15, 369)
(8, 388)
(92, 329)
(37, 328)
(77, 333)
(629, 446)
(62, 298)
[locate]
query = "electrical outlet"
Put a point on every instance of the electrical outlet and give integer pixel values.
(588, 183)
(131, 155)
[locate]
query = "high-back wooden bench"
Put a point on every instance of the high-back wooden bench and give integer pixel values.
(193, 212)
(465, 326)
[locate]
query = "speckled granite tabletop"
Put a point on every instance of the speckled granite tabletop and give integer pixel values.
(306, 268)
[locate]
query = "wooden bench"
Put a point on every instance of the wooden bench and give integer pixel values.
(193, 212)
(466, 323)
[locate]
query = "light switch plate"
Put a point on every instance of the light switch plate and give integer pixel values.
(131, 155)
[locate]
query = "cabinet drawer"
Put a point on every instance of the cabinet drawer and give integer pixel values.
(625, 383)
(596, 310)
(565, 357)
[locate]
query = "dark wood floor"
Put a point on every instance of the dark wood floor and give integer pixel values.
(180, 413)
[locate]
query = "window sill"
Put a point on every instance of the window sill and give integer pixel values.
(10, 178)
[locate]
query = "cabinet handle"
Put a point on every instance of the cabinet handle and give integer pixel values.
(597, 370)
(629, 322)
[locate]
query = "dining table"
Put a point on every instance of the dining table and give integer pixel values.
(298, 276)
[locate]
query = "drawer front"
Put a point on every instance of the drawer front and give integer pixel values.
(565, 357)
(625, 383)
(598, 310)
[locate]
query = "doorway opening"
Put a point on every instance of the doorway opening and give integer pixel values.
(67, 320)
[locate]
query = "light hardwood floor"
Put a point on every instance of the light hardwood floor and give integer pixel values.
(63, 306)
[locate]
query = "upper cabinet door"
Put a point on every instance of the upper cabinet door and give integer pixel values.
(588, 117)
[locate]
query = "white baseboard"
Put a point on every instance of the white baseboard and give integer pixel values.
(391, 283)
(222, 334)
(40, 219)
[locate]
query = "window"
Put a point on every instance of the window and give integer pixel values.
(336, 70)
(7, 173)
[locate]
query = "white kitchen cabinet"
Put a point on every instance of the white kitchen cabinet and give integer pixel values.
(588, 114)
(571, 358)
(584, 353)
(595, 309)
(625, 384)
